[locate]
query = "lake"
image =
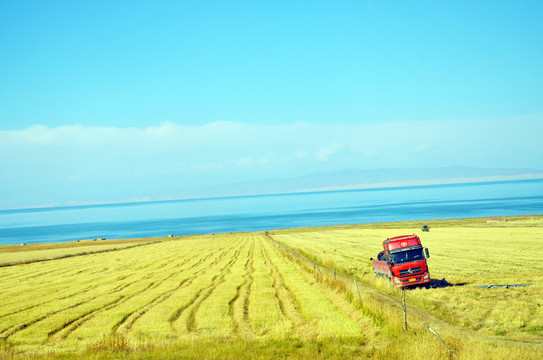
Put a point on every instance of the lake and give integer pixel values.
(266, 212)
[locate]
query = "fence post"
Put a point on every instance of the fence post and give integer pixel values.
(404, 310)
(358, 291)
(335, 279)
(440, 339)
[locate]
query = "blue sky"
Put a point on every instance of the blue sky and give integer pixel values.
(109, 101)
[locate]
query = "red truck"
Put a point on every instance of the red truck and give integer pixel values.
(403, 261)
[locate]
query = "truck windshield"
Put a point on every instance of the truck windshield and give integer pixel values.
(407, 256)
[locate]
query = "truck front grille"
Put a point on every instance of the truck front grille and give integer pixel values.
(412, 280)
(410, 271)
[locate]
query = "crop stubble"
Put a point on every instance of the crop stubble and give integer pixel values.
(243, 287)
(235, 286)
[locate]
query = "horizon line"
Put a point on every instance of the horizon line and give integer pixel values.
(345, 188)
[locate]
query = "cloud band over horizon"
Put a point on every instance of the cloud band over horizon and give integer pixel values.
(77, 163)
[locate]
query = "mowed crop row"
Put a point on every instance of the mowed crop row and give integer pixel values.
(237, 286)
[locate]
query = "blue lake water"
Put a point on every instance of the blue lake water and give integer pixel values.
(266, 212)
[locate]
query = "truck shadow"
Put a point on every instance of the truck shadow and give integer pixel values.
(444, 283)
(435, 284)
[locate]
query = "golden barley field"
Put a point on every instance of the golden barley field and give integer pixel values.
(467, 253)
(257, 295)
(27, 253)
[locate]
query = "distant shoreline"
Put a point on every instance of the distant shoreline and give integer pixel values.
(264, 212)
(381, 185)
(452, 181)
(129, 242)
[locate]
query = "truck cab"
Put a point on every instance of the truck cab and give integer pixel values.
(403, 261)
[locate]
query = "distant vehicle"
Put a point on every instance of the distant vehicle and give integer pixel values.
(403, 261)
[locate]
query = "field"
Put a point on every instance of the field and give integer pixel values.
(258, 295)
(28, 253)
(467, 254)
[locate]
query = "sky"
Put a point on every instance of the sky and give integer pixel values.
(104, 101)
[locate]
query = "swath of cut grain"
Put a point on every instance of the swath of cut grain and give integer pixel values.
(43, 320)
(183, 278)
(160, 291)
(212, 317)
(324, 317)
(238, 305)
(265, 313)
(188, 319)
(149, 299)
(107, 317)
(286, 300)
(338, 299)
(60, 288)
(156, 322)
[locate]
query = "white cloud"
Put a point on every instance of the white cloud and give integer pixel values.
(248, 162)
(325, 152)
(207, 167)
(33, 135)
(175, 156)
(371, 154)
(422, 147)
(244, 162)
(170, 144)
(300, 154)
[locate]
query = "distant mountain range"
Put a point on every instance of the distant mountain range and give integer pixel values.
(358, 179)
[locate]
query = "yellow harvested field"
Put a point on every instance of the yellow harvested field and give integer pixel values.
(173, 291)
(27, 253)
(250, 295)
(467, 255)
